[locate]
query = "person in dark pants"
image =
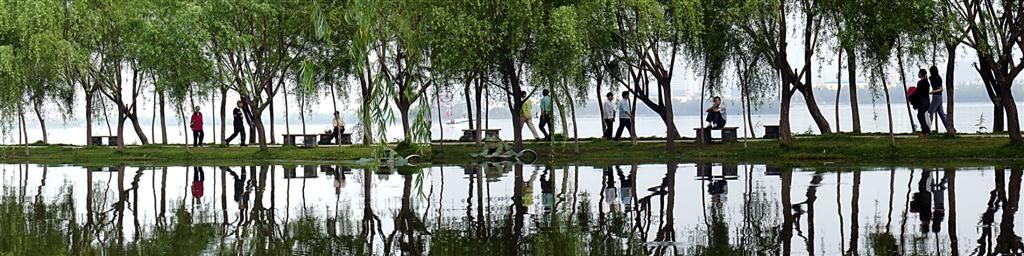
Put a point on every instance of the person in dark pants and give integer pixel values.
(546, 111)
(625, 119)
(237, 118)
(339, 126)
(715, 116)
(918, 98)
(197, 128)
(608, 109)
(935, 108)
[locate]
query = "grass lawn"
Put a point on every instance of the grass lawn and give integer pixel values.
(807, 151)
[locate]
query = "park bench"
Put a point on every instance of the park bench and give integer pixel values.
(471, 134)
(326, 139)
(771, 132)
(308, 140)
(98, 140)
(704, 134)
(308, 171)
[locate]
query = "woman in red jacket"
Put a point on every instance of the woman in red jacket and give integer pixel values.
(197, 128)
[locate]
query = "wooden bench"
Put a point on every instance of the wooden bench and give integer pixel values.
(308, 140)
(325, 139)
(98, 140)
(704, 134)
(471, 134)
(771, 132)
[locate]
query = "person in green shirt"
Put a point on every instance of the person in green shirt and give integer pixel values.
(527, 114)
(546, 110)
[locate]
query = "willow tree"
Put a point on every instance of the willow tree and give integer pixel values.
(462, 48)
(950, 30)
(766, 23)
(651, 36)
(599, 45)
(402, 56)
(879, 33)
(254, 44)
(560, 61)
(995, 33)
(37, 55)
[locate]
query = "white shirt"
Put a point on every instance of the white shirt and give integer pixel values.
(608, 109)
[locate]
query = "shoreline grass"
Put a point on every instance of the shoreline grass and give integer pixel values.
(807, 151)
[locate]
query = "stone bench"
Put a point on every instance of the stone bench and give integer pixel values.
(308, 140)
(345, 138)
(771, 132)
(471, 134)
(98, 140)
(704, 134)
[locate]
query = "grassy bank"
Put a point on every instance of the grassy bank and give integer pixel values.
(811, 150)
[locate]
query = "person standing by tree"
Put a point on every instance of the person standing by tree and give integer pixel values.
(625, 120)
(546, 112)
(237, 117)
(918, 97)
(608, 108)
(197, 128)
(935, 107)
(527, 114)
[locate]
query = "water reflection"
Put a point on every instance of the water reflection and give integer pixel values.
(506, 209)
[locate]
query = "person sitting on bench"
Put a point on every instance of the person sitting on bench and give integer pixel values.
(339, 125)
(715, 115)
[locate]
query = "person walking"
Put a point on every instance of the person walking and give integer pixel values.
(935, 106)
(239, 126)
(716, 114)
(546, 113)
(527, 115)
(918, 97)
(608, 110)
(625, 119)
(197, 128)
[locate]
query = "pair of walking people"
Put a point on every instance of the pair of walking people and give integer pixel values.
(623, 109)
(926, 98)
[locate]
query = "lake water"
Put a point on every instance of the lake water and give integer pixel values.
(505, 209)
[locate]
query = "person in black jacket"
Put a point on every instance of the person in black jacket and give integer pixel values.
(239, 126)
(919, 99)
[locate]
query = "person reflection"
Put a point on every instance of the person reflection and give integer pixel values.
(339, 180)
(938, 189)
(921, 203)
(547, 189)
(626, 191)
(611, 196)
(240, 195)
(198, 177)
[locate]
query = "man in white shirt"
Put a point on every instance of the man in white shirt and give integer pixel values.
(608, 111)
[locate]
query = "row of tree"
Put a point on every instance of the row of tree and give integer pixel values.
(400, 54)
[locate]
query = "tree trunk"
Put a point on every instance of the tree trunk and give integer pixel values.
(632, 122)
(575, 125)
(600, 105)
(302, 111)
(1012, 119)
(24, 128)
(152, 119)
(213, 106)
(812, 107)
(134, 117)
(561, 115)
(42, 121)
(888, 108)
(440, 123)
(839, 87)
(669, 118)
(903, 79)
(785, 137)
(469, 102)
(950, 65)
(406, 131)
(851, 70)
(163, 120)
(479, 109)
(120, 129)
(750, 120)
(223, 115)
(260, 130)
(88, 116)
(272, 140)
(287, 120)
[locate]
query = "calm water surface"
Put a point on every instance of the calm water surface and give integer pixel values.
(658, 209)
